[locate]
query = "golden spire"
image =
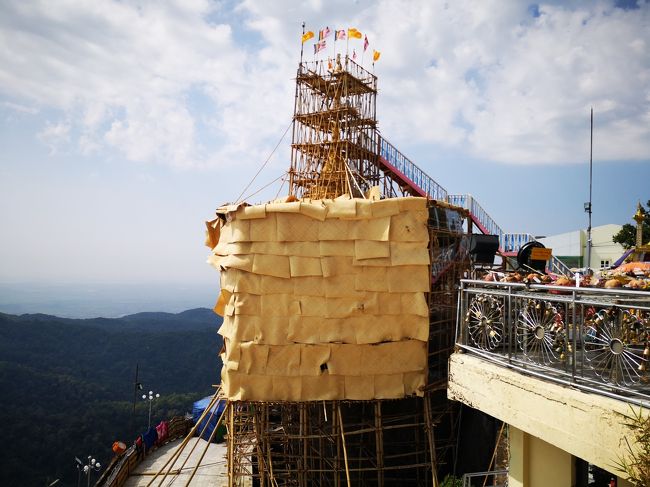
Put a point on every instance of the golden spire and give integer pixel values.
(639, 217)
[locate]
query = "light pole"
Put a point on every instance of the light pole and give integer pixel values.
(151, 396)
(87, 469)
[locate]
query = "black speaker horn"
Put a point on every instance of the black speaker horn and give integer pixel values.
(483, 248)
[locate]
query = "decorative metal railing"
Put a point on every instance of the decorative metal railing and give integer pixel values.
(590, 338)
(403, 168)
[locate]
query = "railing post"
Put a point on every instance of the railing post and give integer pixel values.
(508, 322)
(574, 352)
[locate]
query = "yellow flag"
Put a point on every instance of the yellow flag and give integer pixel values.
(375, 55)
(306, 36)
(354, 33)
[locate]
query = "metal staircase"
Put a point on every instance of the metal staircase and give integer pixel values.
(413, 180)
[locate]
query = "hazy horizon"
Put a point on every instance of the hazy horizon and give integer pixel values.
(106, 300)
(125, 124)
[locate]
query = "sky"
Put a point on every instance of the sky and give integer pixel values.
(124, 124)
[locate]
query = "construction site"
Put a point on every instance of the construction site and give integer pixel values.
(340, 305)
(337, 327)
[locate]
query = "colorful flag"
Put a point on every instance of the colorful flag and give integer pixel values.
(339, 35)
(365, 43)
(375, 55)
(354, 33)
(354, 55)
(306, 36)
(322, 34)
(319, 46)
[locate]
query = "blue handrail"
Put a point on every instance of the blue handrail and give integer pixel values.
(417, 177)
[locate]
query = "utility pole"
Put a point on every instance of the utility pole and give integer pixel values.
(137, 386)
(588, 205)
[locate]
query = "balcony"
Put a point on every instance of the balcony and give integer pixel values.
(596, 340)
(562, 366)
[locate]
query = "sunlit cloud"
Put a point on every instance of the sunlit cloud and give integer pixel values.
(184, 84)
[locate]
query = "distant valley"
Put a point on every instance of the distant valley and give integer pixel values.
(66, 385)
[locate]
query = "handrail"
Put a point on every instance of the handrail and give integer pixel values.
(590, 338)
(403, 169)
(508, 242)
(410, 175)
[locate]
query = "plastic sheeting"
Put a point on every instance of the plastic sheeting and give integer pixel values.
(197, 410)
(323, 299)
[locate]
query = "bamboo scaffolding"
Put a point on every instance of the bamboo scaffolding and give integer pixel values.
(334, 151)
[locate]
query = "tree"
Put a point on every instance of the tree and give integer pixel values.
(627, 235)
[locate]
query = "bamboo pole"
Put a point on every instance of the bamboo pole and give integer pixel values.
(175, 456)
(205, 450)
(305, 441)
(431, 440)
(257, 418)
(200, 436)
(345, 453)
(494, 453)
(231, 446)
(379, 444)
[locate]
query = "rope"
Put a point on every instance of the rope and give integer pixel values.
(285, 179)
(266, 186)
(238, 200)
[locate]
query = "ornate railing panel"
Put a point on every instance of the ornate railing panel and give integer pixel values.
(595, 339)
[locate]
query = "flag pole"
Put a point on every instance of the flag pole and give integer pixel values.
(347, 45)
(302, 44)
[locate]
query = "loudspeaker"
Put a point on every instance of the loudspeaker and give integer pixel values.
(483, 248)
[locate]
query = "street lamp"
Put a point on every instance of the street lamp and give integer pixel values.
(87, 469)
(151, 396)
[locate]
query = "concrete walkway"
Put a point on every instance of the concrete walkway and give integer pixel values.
(212, 472)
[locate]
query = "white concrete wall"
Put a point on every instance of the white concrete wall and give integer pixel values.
(602, 246)
(574, 244)
(587, 426)
(568, 244)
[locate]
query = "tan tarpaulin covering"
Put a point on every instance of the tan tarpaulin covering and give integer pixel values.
(323, 299)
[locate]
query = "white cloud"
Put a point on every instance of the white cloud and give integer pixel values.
(55, 135)
(487, 76)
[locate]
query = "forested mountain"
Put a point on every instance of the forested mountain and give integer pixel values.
(67, 385)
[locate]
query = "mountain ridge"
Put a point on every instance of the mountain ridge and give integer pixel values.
(67, 384)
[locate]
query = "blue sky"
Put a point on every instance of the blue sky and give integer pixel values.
(124, 124)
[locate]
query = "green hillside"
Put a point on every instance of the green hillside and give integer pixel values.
(66, 385)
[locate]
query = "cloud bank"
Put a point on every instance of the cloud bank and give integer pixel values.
(200, 83)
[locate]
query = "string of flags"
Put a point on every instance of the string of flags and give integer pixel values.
(340, 35)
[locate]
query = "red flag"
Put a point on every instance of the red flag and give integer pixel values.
(354, 54)
(365, 43)
(339, 35)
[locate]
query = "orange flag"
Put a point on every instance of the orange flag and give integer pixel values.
(306, 36)
(375, 55)
(354, 33)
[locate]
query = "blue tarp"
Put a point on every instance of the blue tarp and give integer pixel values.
(149, 438)
(197, 410)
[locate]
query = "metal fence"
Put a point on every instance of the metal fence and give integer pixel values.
(594, 339)
(493, 478)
